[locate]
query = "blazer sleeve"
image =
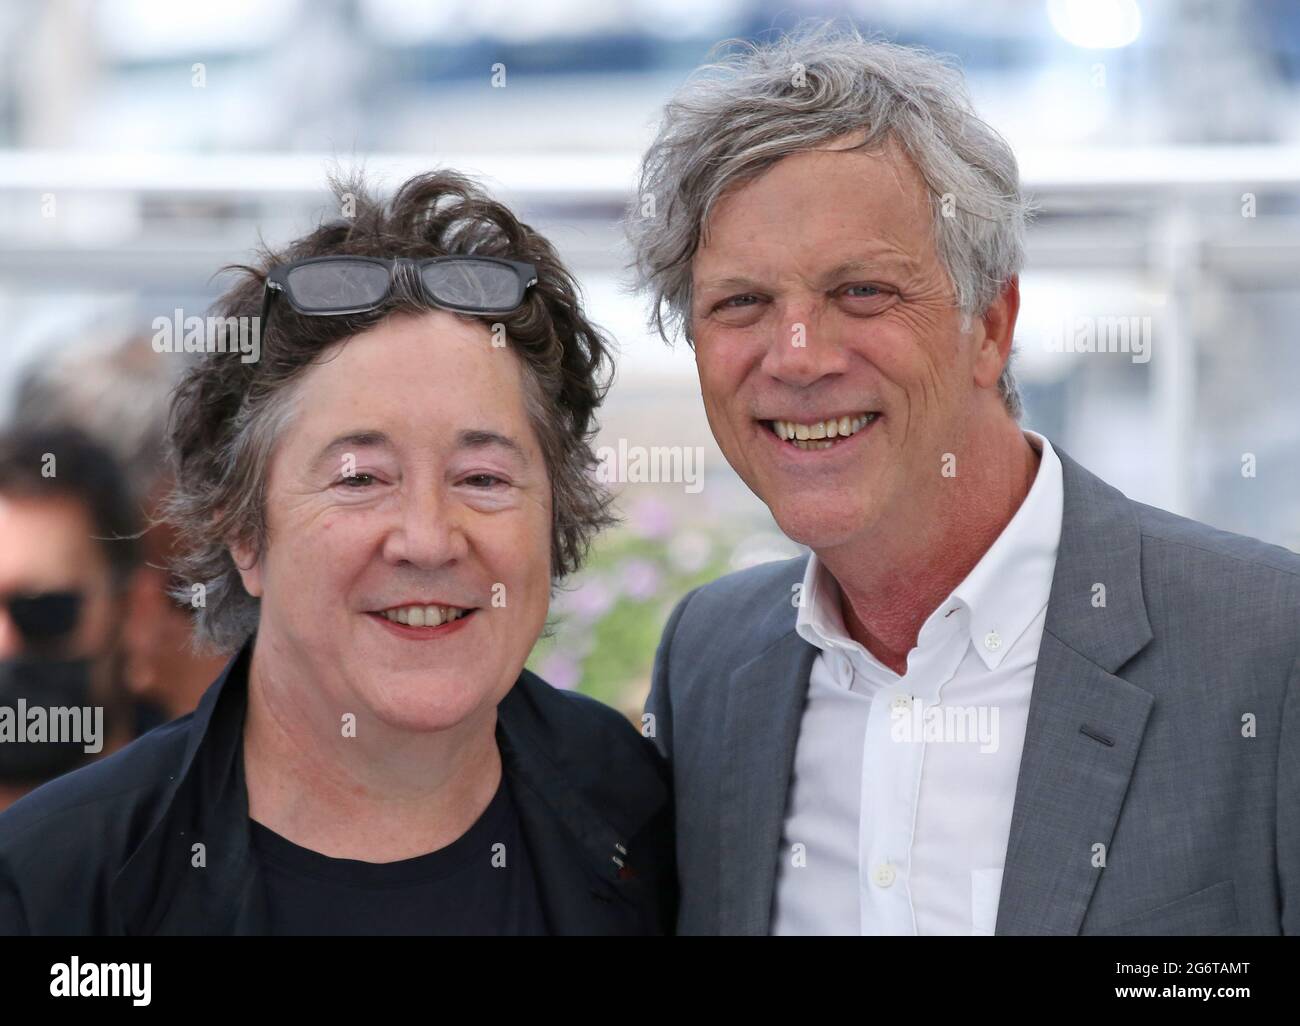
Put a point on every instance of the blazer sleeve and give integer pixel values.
(659, 704)
(1288, 806)
(13, 921)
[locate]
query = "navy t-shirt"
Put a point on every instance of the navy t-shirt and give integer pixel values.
(459, 890)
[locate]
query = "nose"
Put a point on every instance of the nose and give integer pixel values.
(801, 350)
(428, 533)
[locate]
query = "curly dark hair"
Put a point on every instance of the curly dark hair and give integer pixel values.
(87, 473)
(226, 413)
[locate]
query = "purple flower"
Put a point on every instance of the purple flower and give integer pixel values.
(591, 600)
(640, 578)
(650, 518)
(560, 671)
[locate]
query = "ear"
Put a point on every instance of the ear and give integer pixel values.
(249, 566)
(993, 332)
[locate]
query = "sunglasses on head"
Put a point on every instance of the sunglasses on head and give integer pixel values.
(333, 285)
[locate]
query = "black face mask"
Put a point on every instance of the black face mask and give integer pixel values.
(48, 684)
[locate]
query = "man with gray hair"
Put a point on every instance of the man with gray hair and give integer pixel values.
(998, 696)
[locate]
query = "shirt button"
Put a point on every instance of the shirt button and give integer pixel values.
(901, 703)
(843, 669)
(992, 641)
(883, 875)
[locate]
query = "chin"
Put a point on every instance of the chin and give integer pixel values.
(428, 704)
(818, 529)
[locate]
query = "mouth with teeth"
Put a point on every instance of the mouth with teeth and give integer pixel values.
(423, 620)
(823, 434)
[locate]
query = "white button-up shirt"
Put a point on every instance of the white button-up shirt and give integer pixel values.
(900, 803)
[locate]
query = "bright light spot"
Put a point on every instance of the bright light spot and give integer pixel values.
(1096, 24)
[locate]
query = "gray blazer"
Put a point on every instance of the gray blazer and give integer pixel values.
(1135, 737)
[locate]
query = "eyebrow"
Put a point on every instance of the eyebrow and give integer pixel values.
(478, 438)
(353, 440)
(848, 267)
(860, 266)
(727, 283)
(469, 438)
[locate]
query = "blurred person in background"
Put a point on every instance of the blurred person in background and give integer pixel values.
(66, 557)
(840, 236)
(378, 509)
(119, 394)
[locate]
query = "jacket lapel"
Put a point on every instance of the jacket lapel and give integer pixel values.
(1085, 723)
(764, 709)
(578, 898)
(1085, 728)
(586, 871)
(194, 872)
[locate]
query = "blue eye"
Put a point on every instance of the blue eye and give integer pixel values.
(870, 288)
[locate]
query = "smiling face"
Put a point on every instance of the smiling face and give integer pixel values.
(821, 310)
(407, 567)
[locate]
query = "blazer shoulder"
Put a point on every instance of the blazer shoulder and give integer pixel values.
(1211, 546)
(105, 796)
(591, 741)
(737, 615)
(1242, 593)
(571, 713)
(746, 596)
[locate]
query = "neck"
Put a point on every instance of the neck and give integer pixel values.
(893, 579)
(383, 795)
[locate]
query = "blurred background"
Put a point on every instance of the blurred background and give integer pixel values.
(145, 144)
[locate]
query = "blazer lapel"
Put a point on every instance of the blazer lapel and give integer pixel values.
(764, 708)
(1085, 728)
(194, 872)
(577, 898)
(577, 853)
(1085, 723)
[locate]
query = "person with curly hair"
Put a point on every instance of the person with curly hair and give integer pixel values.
(373, 513)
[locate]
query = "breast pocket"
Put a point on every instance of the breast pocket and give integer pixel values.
(1211, 910)
(985, 889)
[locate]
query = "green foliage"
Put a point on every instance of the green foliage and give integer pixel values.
(615, 648)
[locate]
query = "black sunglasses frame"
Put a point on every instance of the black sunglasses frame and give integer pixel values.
(277, 282)
(44, 616)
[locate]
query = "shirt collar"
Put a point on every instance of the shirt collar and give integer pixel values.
(1002, 594)
(1011, 583)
